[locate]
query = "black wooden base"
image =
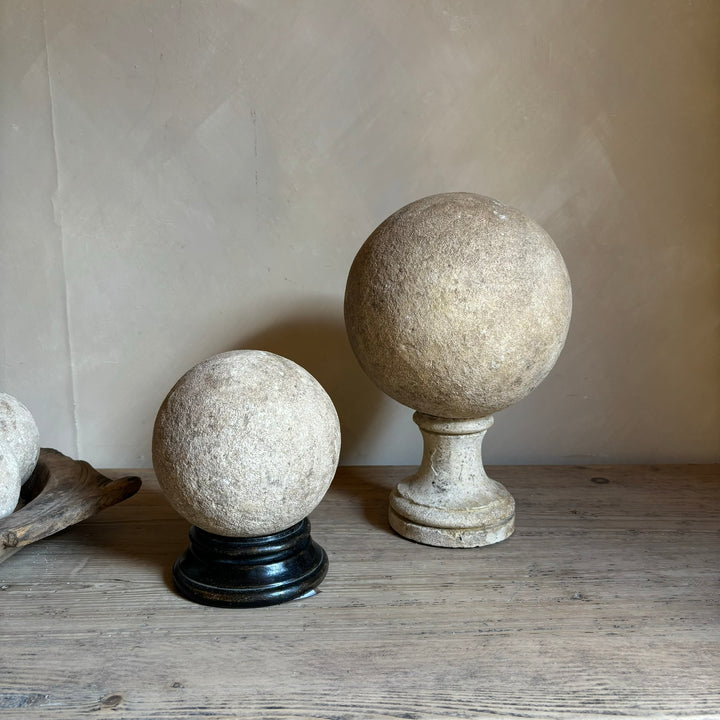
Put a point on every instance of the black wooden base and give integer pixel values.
(250, 572)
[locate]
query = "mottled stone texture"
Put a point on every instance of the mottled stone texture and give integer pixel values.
(19, 450)
(457, 305)
(450, 501)
(246, 444)
(9, 482)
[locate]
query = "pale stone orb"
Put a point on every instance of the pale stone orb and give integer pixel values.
(457, 305)
(20, 434)
(9, 482)
(246, 444)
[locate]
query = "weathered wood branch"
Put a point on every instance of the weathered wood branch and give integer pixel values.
(60, 492)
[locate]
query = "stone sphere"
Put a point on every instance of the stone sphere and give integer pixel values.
(19, 434)
(19, 450)
(457, 305)
(9, 482)
(246, 444)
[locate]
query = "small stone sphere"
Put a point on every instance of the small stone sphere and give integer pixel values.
(9, 482)
(19, 434)
(246, 444)
(457, 305)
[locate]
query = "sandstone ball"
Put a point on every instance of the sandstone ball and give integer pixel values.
(20, 434)
(458, 305)
(9, 481)
(246, 444)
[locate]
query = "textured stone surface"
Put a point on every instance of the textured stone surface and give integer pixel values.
(458, 305)
(19, 431)
(9, 481)
(246, 443)
(450, 501)
(19, 449)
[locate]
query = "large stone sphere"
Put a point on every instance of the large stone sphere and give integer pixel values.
(246, 444)
(457, 305)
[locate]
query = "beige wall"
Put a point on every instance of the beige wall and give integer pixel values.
(183, 178)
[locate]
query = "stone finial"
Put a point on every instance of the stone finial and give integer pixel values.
(457, 306)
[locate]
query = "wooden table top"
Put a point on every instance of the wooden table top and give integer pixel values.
(603, 604)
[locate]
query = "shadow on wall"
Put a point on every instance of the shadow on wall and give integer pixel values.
(317, 341)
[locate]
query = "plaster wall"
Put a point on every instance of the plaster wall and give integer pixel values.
(182, 178)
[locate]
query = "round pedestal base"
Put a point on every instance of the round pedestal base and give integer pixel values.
(452, 537)
(250, 572)
(450, 501)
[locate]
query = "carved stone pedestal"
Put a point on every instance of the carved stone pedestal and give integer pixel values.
(456, 306)
(450, 501)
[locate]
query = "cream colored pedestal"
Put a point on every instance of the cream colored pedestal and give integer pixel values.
(450, 501)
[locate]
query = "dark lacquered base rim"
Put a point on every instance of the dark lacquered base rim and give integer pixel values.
(250, 572)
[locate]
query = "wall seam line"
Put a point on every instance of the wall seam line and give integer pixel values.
(57, 216)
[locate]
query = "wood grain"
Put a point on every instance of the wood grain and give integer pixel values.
(603, 604)
(60, 492)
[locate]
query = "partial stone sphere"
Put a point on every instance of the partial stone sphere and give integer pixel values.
(9, 482)
(19, 434)
(19, 450)
(457, 305)
(246, 444)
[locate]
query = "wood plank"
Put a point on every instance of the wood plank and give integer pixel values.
(604, 603)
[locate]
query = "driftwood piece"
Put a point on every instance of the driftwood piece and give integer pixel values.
(60, 492)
